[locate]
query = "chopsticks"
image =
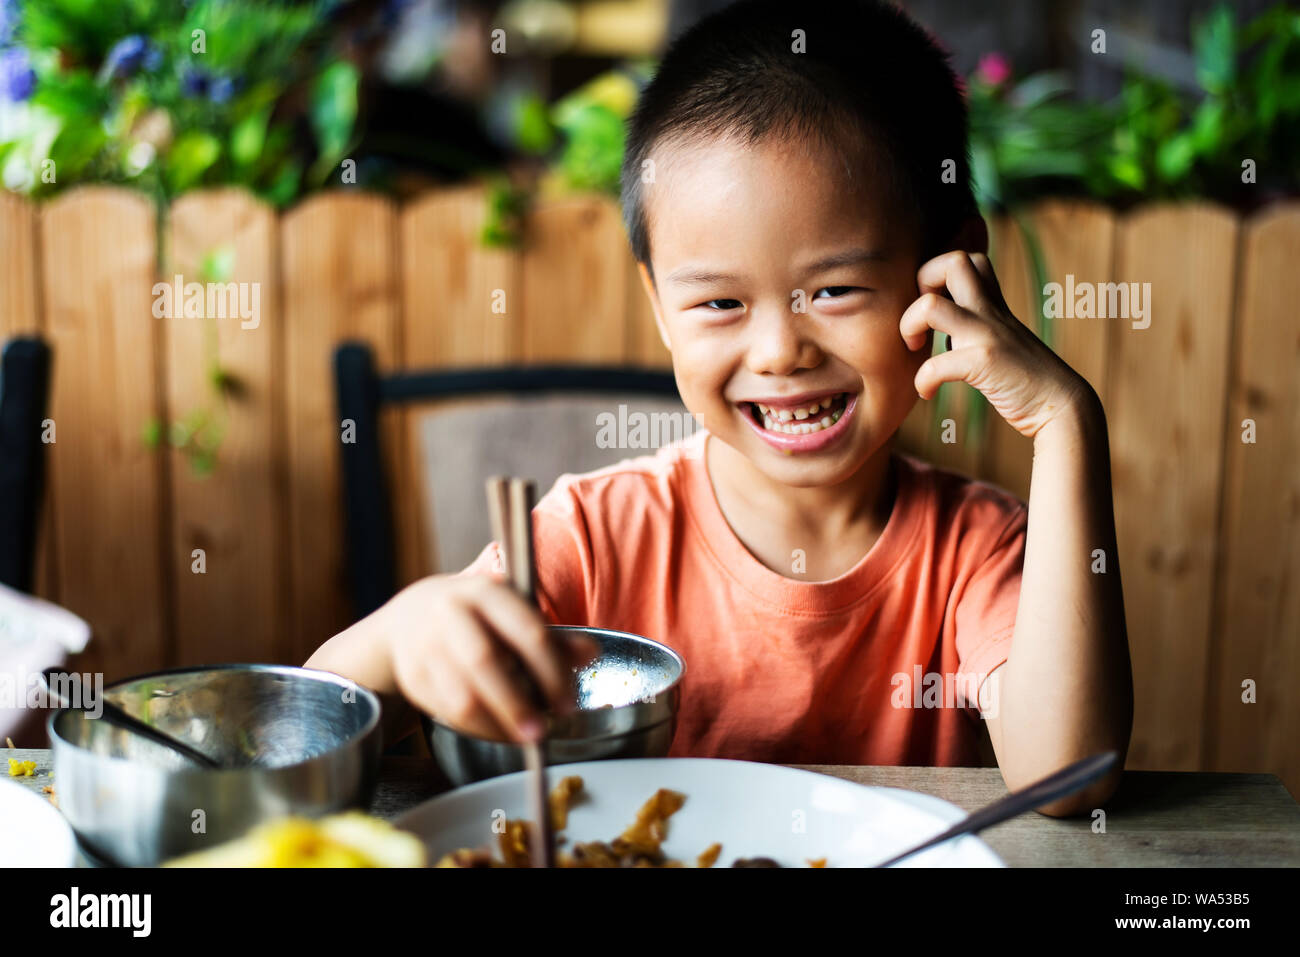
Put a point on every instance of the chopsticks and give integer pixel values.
(510, 506)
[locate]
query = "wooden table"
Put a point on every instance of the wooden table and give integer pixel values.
(1158, 818)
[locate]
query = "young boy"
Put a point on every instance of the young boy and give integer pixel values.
(797, 193)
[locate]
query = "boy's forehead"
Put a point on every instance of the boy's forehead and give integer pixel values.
(705, 191)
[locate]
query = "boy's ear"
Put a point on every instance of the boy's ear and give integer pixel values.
(973, 235)
(652, 294)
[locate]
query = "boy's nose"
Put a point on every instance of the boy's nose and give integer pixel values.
(779, 344)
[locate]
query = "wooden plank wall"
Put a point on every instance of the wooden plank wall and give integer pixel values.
(226, 530)
(1209, 526)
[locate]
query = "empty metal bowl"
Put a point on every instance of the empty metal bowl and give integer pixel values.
(291, 741)
(627, 708)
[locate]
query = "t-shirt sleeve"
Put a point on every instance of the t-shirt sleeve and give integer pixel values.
(986, 609)
(563, 555)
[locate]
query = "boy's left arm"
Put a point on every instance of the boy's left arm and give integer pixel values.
(1066, 689)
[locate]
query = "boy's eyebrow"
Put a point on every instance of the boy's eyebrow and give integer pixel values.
(849, 257)
(697, 276)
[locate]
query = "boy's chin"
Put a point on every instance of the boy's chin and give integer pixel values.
(805, 469)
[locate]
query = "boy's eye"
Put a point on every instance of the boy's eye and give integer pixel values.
(834, 291)
(722, 304)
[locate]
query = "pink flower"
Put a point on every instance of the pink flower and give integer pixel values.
(993, 69)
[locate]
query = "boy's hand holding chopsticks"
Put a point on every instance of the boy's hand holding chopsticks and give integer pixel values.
(475, 654)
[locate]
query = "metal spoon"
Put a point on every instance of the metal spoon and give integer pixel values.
(1071, 778)
(127, 722)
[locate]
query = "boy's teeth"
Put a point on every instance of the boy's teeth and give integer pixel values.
(781, 421)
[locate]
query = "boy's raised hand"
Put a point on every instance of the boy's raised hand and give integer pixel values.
(455, 647)
(989, 348)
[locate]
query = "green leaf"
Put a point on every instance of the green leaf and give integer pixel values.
(203, 462)
(533, 130)
(190, 157)
(285, 185)
(1174, 157)
(248, 136)
(218, 264)
(334, 110)
(593, 149)
(151, 435)
(1215, 42)
(1039, 88)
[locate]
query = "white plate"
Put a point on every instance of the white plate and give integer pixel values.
(32, 832)
(753, 810)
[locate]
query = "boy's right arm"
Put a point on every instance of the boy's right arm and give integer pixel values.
(452, 646)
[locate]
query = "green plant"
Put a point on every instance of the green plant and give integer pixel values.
(579, 141)
(1168, 144)
(168, 96)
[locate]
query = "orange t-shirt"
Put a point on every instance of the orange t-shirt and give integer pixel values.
(878, 666)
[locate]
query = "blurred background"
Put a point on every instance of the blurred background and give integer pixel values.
(436, 180)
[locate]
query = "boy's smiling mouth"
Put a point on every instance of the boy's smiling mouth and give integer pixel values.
(800, 423)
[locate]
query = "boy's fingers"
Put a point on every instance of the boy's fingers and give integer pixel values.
(460, 707)
(520, 629)
(954, 273)
(485, 669)
(991, 285)
(932, 311)
(581, 650)
(435, 683)
(959, 365)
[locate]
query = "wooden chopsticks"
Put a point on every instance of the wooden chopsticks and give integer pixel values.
(510, 507)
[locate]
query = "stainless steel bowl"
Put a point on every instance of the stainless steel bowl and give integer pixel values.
(627, 700)
(298, 741)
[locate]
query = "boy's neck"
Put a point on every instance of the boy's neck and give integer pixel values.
(771, 517)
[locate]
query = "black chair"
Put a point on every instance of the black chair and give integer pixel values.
(360, 394)
(24, 391)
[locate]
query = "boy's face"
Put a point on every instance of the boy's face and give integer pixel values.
(741, 238)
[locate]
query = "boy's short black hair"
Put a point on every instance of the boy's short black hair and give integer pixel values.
(869, 75)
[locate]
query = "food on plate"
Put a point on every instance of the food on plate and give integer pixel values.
(21, 769)
(638, 846)
(561, 796)
(351, 839)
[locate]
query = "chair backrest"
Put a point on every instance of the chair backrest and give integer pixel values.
(24, 390)
(537, 421)
(540, 437)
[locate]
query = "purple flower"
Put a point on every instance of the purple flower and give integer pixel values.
(200, 83)
(17, 78)
(194, 83)
(221, 89)
(130, 54)
(8, 21)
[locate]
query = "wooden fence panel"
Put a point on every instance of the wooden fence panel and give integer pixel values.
(575, 283)
(19, 303)
(233, 609)
(462, 305)
(1167, 397)
(1258, 589)
(453, 286)
(340, 282)
(97, 269)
